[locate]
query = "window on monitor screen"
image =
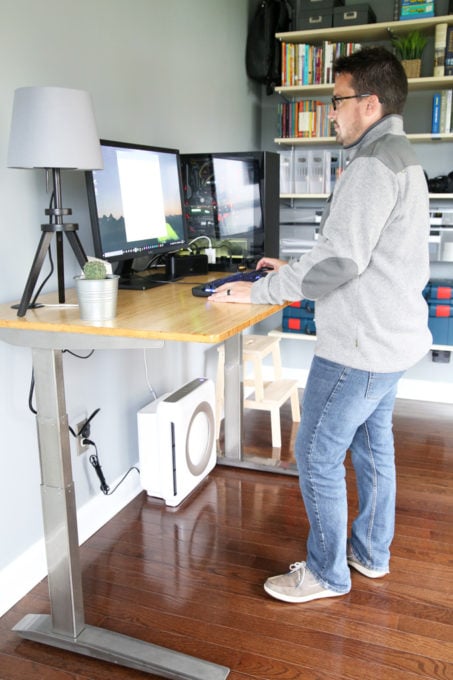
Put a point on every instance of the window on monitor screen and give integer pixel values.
(136, 208)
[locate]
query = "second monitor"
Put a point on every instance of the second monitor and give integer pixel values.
(232, 199)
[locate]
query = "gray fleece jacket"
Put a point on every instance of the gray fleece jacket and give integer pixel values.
(370, 263)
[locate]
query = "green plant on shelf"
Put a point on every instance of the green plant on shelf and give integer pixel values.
(409, 46)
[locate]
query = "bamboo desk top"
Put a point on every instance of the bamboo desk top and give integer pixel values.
(167, 312)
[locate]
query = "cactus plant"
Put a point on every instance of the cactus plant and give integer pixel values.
(94, 269)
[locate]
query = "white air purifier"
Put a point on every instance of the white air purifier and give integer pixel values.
(176, 438)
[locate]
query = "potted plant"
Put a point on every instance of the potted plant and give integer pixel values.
(409, 49)
(97, 292)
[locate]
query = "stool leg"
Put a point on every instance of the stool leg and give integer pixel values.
(277, 361)
(275, 428)
(295, 406)
(258, 379)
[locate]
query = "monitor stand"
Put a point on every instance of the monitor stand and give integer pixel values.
(132, 280)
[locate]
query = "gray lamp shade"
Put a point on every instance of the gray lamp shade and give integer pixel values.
(53, 127)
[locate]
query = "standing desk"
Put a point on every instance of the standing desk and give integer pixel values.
(168, 313)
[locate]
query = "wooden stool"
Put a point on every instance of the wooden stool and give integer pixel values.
(268, 396)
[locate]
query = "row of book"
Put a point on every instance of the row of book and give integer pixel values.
(442, 112)
(304, 64)
(310, 171)
(304, 118)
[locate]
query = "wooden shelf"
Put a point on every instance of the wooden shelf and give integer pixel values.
(317, 141)
(322, 89)
(278, 333)
(379, 31)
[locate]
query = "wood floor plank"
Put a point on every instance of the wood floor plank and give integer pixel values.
(190, 578)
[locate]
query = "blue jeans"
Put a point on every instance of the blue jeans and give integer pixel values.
(344, 408)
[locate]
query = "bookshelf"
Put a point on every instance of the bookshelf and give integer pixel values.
(362, 34)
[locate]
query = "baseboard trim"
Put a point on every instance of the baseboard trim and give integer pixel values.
(30, 567)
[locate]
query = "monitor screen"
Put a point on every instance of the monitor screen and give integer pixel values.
(136, 207)
(223, 201)
(238, 196)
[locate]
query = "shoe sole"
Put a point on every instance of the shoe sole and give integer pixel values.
(299, 600)
(370, 573)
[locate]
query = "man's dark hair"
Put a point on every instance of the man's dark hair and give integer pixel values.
(375, 70)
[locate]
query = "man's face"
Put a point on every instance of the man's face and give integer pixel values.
(350, 118)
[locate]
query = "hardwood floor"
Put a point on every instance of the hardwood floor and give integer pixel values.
(191, 578)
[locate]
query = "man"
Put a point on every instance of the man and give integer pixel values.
(366, 272)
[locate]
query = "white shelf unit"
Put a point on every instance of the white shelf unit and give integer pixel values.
(323, 197)
(413, 386)
(364, 33)
(421, 137)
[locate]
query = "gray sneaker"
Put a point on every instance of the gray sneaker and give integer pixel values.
(366, 571)
(299, 585)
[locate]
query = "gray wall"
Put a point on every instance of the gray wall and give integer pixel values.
(164, 73)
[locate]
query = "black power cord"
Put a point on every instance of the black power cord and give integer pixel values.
(94, 460)
(84, 432)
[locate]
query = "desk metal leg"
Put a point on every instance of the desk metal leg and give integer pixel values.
(233, 398)
(66, 628)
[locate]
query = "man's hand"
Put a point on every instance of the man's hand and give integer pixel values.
(270, 263)
(238, 292)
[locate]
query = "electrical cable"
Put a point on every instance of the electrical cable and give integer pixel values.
(198, 238)
(94, 460)
(150, 387)
(32, 384)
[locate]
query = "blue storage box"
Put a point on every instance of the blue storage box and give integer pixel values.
(441, 329)
(298, 317)
(293, 325)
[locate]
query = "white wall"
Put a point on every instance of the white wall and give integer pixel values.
(164, 73)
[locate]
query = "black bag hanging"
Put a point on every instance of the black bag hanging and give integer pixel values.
(263, 50)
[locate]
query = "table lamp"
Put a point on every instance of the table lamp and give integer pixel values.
(53, 128)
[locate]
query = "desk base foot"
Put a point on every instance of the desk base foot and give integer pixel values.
(259, 465)
(121, 650)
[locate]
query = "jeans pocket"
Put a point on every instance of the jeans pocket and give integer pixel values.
(380, 383)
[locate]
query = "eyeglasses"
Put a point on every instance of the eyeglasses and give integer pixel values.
(335, 99)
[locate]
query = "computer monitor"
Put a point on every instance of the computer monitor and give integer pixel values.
(136, 208)
(232, 199)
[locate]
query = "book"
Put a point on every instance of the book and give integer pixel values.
(440, 44)
(448, 70)
(435, 118)
(445, 111)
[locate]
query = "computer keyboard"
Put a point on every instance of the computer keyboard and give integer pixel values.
(206, 289)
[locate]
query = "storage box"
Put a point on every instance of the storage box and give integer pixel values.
(353, 15)
(311, 19)
(441, 330)
(305, 326)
